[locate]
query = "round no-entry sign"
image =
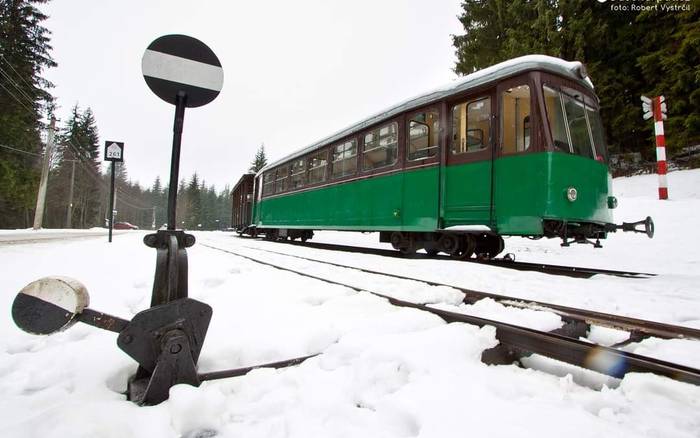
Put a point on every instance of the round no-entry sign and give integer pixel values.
(175, 64)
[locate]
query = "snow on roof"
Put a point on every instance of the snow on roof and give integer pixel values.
(571, 69)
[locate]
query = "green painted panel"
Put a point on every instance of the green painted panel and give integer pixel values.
(530, 187)
(420, 199)
(467, 198)
(519, 193)
(373, 203)
(591, 180)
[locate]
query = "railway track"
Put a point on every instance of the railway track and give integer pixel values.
(569, 271)
(517, 342)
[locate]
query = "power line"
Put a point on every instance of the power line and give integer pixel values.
(12, 82)
(31, 110)
(13, 69)
(19, 150)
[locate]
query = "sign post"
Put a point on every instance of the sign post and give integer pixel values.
(114, 151)
(186, 73)
(656, 107)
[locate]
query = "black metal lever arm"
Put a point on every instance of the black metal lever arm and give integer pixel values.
(102, 320)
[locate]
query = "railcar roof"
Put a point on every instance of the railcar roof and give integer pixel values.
(496, 72)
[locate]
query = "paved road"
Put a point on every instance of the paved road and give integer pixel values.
(20, 237)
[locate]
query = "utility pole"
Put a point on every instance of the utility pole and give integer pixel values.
(41, 196)
(69, 214)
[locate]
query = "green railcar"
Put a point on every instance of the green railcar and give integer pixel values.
(515, 149)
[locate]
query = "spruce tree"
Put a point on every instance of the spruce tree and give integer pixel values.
(24, 54)
(194, 214)
(159, 201)
(670, 65)
(79, 141)
(260, 160)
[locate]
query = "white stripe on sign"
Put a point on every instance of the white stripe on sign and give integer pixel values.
(659, 128)
(181, 70)
(62, 292)
(663, 181)
(660, 154)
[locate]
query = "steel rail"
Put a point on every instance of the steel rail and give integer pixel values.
(569, 271)
(213, 375)
(632, 325)
(522, 339)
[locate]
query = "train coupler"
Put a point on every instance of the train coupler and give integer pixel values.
(648, 224)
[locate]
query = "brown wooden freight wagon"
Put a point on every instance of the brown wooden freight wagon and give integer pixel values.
(242, 202)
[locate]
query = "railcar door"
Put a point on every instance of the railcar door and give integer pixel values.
(421, 180)
(467, 175)
(520, 171)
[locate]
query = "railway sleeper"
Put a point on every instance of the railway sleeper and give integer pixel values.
(504, 354)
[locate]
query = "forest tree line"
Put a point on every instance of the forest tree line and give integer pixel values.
(76, 163)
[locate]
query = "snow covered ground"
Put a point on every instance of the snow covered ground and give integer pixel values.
(384, 371)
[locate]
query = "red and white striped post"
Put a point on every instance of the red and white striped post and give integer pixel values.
(657, 107)
(660, 147)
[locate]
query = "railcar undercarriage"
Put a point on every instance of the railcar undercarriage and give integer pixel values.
(584, 232)
(460, 246)
(465, 245)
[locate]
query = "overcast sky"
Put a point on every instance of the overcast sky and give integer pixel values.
(295, 71)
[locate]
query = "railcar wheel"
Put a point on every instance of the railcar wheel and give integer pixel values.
(405, 243)
(396, 240)
(489, 246)
(467, 245)
(449, 243)
(408, 250)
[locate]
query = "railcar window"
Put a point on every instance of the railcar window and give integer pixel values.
(515, 119)
(471, 127)
(345, 159)
(598, 134)
(557, 120)
(268, 183)
(423, 135)
(578, 125)
(381, 147)
(317, 167)
(281, 180)
(298, 173)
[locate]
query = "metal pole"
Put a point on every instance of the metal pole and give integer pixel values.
(69, 213)
(180, 102)
(41, 195)
(111, 203)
